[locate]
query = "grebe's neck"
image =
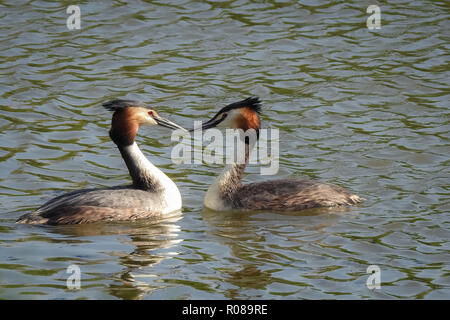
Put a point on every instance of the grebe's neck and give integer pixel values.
(220, 195)
(144, 174)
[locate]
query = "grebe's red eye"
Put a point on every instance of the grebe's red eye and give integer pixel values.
(150, 113)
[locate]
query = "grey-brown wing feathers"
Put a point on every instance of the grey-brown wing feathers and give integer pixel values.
(292, 195)
(90, 205)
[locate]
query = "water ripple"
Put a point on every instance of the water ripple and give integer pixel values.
(367, 110)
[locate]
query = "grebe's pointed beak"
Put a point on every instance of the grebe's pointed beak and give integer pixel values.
(163, 122)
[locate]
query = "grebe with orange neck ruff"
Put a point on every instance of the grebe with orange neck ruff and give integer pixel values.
(152, 193)
(229, 193)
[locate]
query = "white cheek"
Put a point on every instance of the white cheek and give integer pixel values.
(227, 123)
(150, 121)
(229, 120)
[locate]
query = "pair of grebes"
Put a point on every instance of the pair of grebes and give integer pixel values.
(154, 194)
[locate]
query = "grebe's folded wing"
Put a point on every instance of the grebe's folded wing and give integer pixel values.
(89, 205)
(293, 195)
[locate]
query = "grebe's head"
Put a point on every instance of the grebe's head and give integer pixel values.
(239, 115)
(129, 115)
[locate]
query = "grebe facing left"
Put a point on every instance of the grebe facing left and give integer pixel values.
(151, 194)
(228, 193)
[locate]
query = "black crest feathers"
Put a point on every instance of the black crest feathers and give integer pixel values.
(252, 103)
(116, 105)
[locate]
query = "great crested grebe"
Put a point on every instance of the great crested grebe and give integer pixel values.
(151, 194)
(228, 193)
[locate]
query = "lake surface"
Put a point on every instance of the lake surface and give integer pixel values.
(365, 109)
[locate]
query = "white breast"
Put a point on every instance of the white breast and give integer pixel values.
(213, 199)
(172, 196)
